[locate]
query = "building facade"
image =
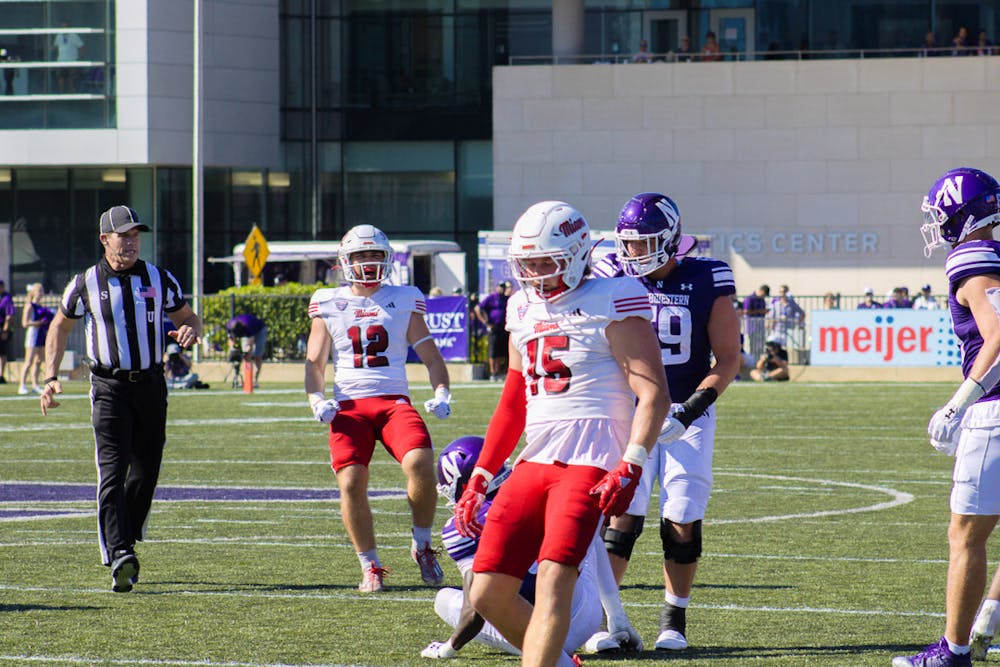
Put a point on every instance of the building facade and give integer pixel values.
(322, 114)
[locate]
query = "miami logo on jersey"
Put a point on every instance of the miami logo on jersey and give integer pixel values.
(361, 312)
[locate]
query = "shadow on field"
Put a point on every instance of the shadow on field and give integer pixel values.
(758, 652)
(721, 587)
(46, 607)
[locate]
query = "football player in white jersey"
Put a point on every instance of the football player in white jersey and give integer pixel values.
(369, 325)
(698, 336)
(586, 386)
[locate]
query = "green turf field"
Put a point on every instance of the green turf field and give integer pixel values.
(825, 543)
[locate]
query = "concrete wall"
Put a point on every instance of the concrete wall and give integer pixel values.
(809, 173)
(153, 76)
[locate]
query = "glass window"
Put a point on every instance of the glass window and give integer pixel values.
(58, 64)
(407, 189)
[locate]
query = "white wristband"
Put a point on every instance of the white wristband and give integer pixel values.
(316, 398)
(635, 454)
(483, 472)
(968, 393)
(443, 394)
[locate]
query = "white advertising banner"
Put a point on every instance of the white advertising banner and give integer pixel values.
(883, 337)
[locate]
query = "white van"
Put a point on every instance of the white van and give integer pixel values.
(423, 263)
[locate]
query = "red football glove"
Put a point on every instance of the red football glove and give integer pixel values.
(467, 508)
(617, 488)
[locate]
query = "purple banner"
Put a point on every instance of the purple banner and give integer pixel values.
(448, 320)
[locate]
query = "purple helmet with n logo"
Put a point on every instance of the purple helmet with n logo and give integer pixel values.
(960, 202)
(649, 217)
(455, 466)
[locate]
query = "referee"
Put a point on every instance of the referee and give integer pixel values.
(123, 299)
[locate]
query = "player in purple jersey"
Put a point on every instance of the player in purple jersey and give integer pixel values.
(693, 316)
(961, 210)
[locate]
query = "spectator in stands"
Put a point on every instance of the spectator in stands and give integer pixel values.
(772, 366)
(435, 291)
(67, 46)
(831, 301)
(642, 55)
(785, 318)
(683, 54)
(754, 311)
(900, 299)
(930, 48)
(925, 300)
(869, 300)
(711, 52)
(983, 45)
(248, 333)
(960, 43)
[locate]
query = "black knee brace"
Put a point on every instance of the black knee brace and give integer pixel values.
(619, 543)
(680, 552)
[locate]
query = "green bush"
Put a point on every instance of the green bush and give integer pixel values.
(284, 309)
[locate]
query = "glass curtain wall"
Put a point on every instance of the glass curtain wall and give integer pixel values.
(57, 59)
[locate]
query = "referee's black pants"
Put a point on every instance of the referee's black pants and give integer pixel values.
(130, 431)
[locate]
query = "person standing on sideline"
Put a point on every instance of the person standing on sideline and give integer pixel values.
(691, 304)
(123, 299)
(491, 311)
(586, 386)
(755, 308)
(960, 210)
(368, 326)
(35, 319)
(248, 333)
(6, 315)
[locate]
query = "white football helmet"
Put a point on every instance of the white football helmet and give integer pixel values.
(553, 230)
(365, 238)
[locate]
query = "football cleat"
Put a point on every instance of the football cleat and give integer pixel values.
(936, 655)
(673, 625)
(602, 642)
(980, 642)
(430, 570)
(124, 571)
(372, 583)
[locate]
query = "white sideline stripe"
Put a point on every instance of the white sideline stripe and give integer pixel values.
(355, 597)
(73, 660)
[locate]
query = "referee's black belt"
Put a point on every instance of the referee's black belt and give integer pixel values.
(123, 375)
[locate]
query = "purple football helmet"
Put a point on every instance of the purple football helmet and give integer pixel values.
(960, 202)
(655, 219)
(455, 466)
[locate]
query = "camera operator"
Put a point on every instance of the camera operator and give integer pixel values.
(773, 364)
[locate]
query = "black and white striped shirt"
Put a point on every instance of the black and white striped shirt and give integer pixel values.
(124, 312)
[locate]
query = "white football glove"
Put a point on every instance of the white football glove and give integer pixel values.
(943, 429)
(439, 650)
(672, 429)
(324, 409)
(440, 405)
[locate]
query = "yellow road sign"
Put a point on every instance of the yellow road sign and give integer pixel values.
(255, 253)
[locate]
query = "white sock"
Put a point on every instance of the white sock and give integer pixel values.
(368, 559)
(957, 649)
(676, 601)
(421, 537)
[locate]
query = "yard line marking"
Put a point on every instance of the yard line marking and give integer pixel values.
(73, 660)
(426, 599)
(898, 498)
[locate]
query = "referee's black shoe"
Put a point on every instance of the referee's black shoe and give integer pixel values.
(124, 571)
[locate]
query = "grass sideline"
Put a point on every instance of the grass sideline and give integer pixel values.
(825, 542)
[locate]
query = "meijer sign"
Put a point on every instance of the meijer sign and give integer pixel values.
(883, 337)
